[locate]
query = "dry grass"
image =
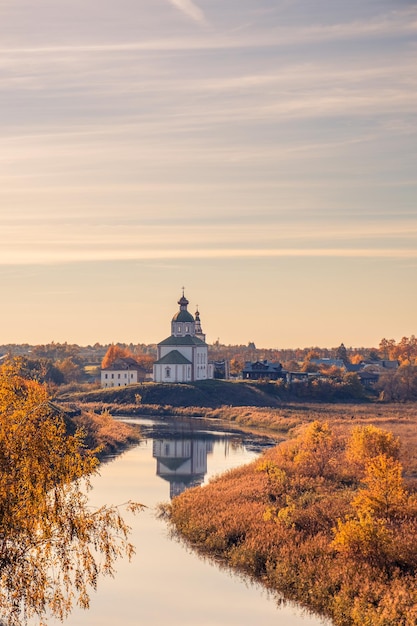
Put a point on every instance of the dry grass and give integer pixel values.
(105, 433)
(399, 419)
(275, 520)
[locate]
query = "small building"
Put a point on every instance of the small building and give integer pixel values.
(122, 372)
(262, 370)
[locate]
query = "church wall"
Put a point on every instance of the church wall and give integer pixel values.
(187, 351)
(200, 363)
(172, 373)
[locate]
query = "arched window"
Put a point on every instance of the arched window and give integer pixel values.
(168, 372)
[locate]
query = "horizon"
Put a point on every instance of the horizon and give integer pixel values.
(261, 154)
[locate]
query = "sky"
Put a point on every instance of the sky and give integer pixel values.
(260, 153)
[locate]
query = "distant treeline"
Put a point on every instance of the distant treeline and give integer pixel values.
(62, 364)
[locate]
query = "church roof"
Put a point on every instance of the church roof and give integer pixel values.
(183, 316)
(173, 358)
(188, 340)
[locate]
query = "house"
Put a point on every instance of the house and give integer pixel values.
(183, 356)
(122, 372)
(262, 370)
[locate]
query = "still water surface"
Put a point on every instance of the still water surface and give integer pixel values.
(166, 583)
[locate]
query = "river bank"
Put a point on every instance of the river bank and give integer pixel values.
(102, 433)
(307, 517)
(284, 421)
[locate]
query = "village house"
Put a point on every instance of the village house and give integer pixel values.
(122, 372)
(262, 370)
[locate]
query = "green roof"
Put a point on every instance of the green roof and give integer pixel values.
(188, 340)
(173, 358)
(183, 316)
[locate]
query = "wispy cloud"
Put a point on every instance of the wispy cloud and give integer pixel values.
(190, 10)
(47, 257)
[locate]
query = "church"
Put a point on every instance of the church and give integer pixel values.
(183, 356)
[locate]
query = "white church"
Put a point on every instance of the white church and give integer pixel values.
(183, 356)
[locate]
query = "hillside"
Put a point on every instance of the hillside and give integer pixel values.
(207, 393)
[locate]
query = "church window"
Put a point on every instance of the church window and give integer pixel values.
(187, 329)
(168, 372)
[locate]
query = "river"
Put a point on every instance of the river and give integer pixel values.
(166, 583)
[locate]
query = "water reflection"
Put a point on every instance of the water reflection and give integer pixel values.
(181, 462)
(181, 449)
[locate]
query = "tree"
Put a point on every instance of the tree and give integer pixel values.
(399, 385)
(368, 442)
(71, 371)
(52, 545)
(370, 533)
(380, 504)
(314, 450)
(341, 353)
(113, 353)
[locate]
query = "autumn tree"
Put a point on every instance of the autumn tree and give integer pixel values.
(368, 442)
(399, 385)
(313, 452)
(113, 353)
(71, 371)
(341, 353)
(404, 351)
(381, 505)
(145, 360)
(52, 545)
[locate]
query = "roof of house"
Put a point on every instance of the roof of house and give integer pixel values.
(173, 358)
(263, 366)
(385, 363)
(124, 363)
(188, 340)
(328, 362)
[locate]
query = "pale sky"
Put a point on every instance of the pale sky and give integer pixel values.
(262, 153)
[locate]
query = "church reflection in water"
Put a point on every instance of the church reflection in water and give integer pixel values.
(181, 462)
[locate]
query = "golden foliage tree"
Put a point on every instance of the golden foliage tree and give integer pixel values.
(52, 545)
(382, 506)
(314, 450)
(368, 442)
(113, 353)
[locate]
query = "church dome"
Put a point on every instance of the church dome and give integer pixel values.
(183, 316)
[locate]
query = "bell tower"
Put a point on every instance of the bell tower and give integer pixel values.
(198, 330)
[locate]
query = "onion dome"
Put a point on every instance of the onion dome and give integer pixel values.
(183, 315)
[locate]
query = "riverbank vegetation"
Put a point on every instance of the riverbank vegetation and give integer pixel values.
(53, 545)
(312, 514)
